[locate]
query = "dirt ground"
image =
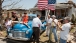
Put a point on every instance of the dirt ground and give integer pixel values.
(43, 37)
(3, 33)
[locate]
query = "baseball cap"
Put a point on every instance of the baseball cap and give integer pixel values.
(67, 18)
(53, 16)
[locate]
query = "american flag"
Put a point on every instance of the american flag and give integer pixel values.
(46, 4)
(42, 4)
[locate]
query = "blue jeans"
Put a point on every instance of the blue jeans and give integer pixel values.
(54, 30)
(62, 41)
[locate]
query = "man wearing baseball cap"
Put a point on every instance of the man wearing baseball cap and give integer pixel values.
(65, 28)
(14, 16)
(54, 27)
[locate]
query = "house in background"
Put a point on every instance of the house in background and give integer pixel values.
(7, 13)
(62, 10)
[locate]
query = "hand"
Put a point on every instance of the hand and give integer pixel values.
(58, 24)
(52, 20)
(23, 23)
(46, 25)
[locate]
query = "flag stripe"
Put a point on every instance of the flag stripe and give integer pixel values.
(46, 4)
(41, 4)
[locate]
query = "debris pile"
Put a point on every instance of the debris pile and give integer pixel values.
(74, 34)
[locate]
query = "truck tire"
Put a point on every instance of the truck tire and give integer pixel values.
(16, 41)
(9, 41)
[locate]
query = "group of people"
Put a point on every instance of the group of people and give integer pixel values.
(52, 25)
(63, 25)
(9, 22)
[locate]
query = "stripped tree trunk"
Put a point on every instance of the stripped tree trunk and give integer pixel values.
(1, 17)
(0, 13)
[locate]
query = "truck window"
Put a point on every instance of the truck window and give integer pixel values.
(31, 17)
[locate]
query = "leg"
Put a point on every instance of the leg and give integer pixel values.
(55, 35)
(62, 41)
(50, 34)
(37, 35)
(47, 31)
(34, 37)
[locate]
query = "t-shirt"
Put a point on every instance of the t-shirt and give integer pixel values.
(16, 19)
(65, 27)
(53, 24)
(8, 24)
(49, 22)
(37, 22)
(25, 19)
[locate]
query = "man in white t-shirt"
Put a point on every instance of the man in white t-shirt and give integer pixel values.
(48, 27)
(65, 30)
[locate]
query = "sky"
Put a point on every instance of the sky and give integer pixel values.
(27, 4)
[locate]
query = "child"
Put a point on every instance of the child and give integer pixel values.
(8, 23)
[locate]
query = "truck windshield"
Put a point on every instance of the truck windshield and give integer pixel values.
(31, 17)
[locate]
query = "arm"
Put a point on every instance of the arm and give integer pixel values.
(5, 25)
(40, 23)
(16, 15)
(61, 27)
(14, 19)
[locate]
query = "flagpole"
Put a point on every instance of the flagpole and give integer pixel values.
(49, 11)
(46, 14)
(54, 12)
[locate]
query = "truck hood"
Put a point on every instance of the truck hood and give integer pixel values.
(20, 27)
(30, 24)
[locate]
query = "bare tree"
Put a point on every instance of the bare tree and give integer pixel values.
(1, 10)
(11, 5)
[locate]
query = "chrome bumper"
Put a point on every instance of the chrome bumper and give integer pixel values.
(20, 38)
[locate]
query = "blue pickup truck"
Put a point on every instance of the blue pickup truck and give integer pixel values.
(24, 32)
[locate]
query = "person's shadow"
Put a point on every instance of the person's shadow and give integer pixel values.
(15, 41)
(47, 41)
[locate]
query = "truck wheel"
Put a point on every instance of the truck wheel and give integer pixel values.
(9, 41)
